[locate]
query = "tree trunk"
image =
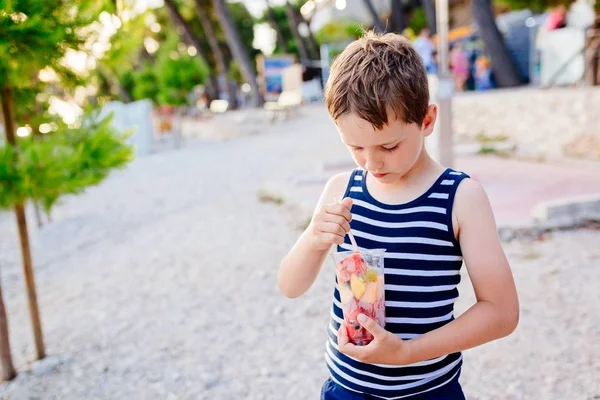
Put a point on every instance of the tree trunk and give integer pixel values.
(503, 65)
(293, 21)
(6, 363)
(280, 38)
(398, 16)
(429, 8)
(212, 85)
(211, 37)
(9, 129)
(125, 95)
(313, 46)
(377, 24)
(237, 49)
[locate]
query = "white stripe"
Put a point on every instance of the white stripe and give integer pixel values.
(456, 173)
(420, 289)
(409, 304)
(417, 364)
(364, 204)
(338, 304)
(419, 321)
(356, 189)
(448, 182)
(403, 336)
(435, 373)
(358, 177)
(438, 196)
(410, 256)
(413, 224)
(336, 318)
(395, 239)
(423, 304)
(387, 387)
(420, 272)
(399, 397)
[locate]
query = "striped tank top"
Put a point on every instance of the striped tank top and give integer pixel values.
(422, 264)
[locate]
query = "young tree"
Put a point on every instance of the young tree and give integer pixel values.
(36, 36)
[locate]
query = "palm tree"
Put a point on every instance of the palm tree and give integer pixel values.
(273, 21)
(293, 21)
(313, 46)
(398, 16)
(503, 65)
(212, 85)
(237, 48)
(377, 24)
(211, 37)
(429, 8)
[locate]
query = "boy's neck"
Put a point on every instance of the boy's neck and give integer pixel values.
(424, 168)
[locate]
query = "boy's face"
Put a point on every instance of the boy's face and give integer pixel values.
(389, 153)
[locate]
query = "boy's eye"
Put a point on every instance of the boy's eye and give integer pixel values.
(357, 148)
(390, 149)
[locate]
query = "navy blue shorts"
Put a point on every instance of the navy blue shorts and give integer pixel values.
(450, 391)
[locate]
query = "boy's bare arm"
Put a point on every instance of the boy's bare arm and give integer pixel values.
(329, 224)
(496, 312)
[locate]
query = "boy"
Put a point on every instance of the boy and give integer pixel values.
(428, 218)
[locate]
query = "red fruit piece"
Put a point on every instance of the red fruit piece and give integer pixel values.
(356, 333)
(353, 264)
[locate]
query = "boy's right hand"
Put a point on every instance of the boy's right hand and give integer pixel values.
(330, 224)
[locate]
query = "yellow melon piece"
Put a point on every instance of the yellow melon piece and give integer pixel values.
(370, 295)
(358, 286)
(345, 293)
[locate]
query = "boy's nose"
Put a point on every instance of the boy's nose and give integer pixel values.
(373, 165)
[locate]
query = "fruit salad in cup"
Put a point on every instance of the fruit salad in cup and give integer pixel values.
(362, 290)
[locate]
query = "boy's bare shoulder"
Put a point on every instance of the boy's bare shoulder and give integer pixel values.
(340, 179)
(335, 187)
(470, 198)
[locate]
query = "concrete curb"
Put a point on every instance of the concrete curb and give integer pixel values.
(562, 214)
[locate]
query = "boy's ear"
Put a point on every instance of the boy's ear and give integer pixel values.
(429, 121)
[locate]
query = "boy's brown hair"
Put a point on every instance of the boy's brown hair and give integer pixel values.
(375, 74)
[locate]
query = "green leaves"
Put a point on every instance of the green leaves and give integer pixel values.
(65, 162)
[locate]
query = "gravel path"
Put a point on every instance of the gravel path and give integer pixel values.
(161, 284)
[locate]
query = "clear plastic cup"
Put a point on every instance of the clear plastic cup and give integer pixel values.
(362, 291)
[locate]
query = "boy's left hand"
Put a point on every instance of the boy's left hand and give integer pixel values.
(386, 348)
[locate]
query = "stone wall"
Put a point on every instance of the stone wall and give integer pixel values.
(542, 123)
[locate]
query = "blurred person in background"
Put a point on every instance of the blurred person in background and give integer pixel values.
(459, 65)
(483, 74)
(557, 18)
(425, 47)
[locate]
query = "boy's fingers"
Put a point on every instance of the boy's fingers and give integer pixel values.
(373, 327)
(342, 336)
(344, 345)
(340, 209)
(332, 227)
(347, 202)
(338, 220)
